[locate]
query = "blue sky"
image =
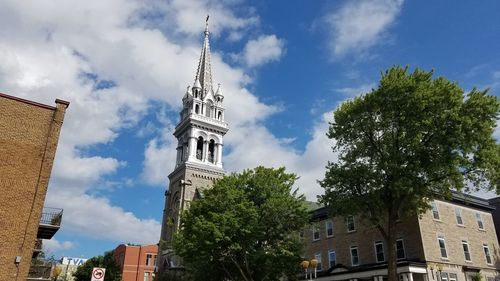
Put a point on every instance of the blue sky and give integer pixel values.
(284, 66)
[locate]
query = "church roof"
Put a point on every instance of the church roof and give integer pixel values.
(204, 71)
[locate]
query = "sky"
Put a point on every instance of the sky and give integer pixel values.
(284, 67)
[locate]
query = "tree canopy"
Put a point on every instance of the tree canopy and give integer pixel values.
(244, 228)
(113, 271)
(413, 139)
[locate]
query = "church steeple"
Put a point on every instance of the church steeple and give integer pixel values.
(203, 77)
(199, 135)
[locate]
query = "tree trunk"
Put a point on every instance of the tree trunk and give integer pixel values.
(392, 274)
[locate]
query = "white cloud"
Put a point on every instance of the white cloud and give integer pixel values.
(356, 91)
(264, 49)
(54, 245)
(358, 25)
(65, 49)
(252, 146)
(96, 217)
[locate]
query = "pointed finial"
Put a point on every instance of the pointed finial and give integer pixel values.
(206, 25)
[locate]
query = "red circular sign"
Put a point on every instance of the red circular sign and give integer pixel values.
(98, 273)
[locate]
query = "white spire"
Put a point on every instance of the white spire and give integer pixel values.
(204, 71)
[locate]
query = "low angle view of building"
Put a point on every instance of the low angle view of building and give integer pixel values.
(29, 134)
(199, 137)
(451, 242)
(237, 140)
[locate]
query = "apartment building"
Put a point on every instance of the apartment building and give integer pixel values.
(136, 262)
(29, 134)
(451, 242)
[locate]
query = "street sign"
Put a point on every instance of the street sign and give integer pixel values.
(98, 274)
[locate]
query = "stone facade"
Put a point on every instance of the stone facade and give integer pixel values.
(465, 240)
(199, 137)
(29, 133)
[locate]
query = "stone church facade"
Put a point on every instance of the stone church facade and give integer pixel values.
(200, 135)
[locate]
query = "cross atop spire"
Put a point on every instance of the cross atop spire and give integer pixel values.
(204, 72)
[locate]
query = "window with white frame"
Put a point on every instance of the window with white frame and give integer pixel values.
(443, 276)
(442, 247)
(315, 232)
(487, 255)
(452, 277)
(329, 228)
(149, 259)
(379, 251)
(332, 258)
(351, 226)
(400, 249)
(317, 256)
(479, 220)
(465, 247)
(146, 276)
(435, 211)
(458, 216)
(354, 256)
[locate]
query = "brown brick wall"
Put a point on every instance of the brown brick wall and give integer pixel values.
(132, 261)
(29, 134)
(364, 237)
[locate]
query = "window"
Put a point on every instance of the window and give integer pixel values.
(154, 259)
(487, 255)
(435, 211)
(354, 256)
(479, 220)
(199, 148)
(442, 247)
(452, 276)
(465, 247)
(332, 258)
(317, 256)
(458, 216)
(211, 151)
(444, 276)
(329, 228)
(400, 249)
(315, 231)
(350, 224)
(149, 259)
(146, 276)
(379, 251)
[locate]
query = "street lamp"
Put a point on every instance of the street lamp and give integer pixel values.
(308, 267)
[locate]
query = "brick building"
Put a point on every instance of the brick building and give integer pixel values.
(450, 242)
(29, 133)
(136, 262)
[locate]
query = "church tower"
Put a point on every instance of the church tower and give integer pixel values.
(199, 136)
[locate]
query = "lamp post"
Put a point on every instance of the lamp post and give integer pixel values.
(308, 267)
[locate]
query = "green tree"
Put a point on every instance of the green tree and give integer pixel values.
(244, 228)
(411, 140)
(113, 271)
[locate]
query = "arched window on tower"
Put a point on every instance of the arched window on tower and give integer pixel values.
(219, 116)
(211, 151)
(197, 109)
(199, 148)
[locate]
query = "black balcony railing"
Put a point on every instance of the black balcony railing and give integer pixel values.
(50, 222)
(51, 216)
